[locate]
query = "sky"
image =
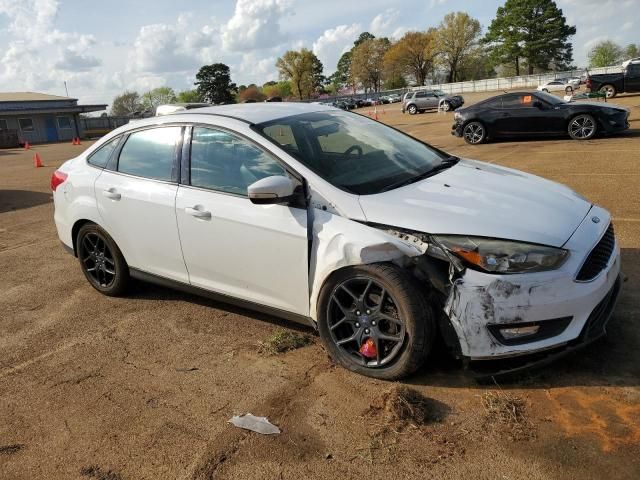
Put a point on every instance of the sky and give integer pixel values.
(103, 48)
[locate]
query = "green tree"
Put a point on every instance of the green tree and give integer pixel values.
(301, 69)
(367, 63)
(158, 96)
(188, 96)
(126, 104)
(214, 84)
(457, 36)
(363, 37)
(413, 55)
(604, 54)
(342, 76)
(533, 30)
(632, 51)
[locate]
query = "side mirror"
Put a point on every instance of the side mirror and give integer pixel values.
(271, 190)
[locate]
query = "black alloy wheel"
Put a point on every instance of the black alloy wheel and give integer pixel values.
(101, 260)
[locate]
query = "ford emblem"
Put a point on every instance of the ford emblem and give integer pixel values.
(595, 219)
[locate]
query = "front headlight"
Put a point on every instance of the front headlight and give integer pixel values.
(502, 256)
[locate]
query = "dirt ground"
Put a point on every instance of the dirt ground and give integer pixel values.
(142, 387)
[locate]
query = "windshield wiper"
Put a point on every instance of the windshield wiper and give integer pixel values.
(446, 163)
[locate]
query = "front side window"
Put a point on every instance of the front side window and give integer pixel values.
(100, 157)
(226, 163)
(151, 153)
(64, 123)
(518, 101)
(355, 153)
(26, 124)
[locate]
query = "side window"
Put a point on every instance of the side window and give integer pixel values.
(495, 103)
(633, 70)
(420, 95)
(223, 162)
(3, 124)
(100, 157)
(517, 101)
(150, 153)
(26, 124)
(64, 123)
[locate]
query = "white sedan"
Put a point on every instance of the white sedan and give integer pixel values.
(557, 86)
(383, 243)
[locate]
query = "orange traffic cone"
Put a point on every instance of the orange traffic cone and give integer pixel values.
(73, 141)
(375, 112)
(27, 146)
(78, 141)
(37, 163)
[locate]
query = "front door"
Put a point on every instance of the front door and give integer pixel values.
(520, 115)
(50, 129)
(137, 202)
(258, 253)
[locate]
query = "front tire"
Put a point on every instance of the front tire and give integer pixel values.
(375, 321)
(582, 127)
(474, 133)
(609, 91)
(101, 261)
(412, 109)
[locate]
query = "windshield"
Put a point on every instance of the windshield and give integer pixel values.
(552, 99)
(351, 151)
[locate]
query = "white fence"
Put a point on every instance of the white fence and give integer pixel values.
(508, 83)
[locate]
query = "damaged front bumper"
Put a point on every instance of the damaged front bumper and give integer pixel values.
(549, 309)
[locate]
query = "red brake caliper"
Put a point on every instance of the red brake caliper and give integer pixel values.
(368, 348)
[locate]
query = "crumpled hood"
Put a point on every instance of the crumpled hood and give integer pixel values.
(475, 198)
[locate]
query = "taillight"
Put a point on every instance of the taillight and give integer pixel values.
(57, 178)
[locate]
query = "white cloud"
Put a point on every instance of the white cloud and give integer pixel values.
(255, 25)
(383, 24)
(333, 43)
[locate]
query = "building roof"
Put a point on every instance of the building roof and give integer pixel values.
(30, 97)
(260, 112)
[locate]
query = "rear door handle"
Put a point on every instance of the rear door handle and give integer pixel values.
(112, 194)
(198, 212)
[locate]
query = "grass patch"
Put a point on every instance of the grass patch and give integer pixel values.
(97, 473)
(406, 406)
(11, 449)
(509, 411)
(284, 341)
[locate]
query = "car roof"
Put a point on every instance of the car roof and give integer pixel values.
(261, 112)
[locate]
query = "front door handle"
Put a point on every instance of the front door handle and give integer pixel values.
(198, 212)
(112, 194)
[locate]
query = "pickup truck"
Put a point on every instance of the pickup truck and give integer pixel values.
(613, 83)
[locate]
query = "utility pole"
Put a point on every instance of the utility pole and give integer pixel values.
(65, 88)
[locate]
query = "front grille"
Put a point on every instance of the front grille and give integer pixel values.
(599, 257)
(597, 321)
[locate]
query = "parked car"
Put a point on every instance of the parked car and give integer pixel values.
(395, 98)
(611, 84)
(540, 113)
(384, 100)
(274, 99)
(420, 100)
(556, 86)
(340, 104)
(386, 245)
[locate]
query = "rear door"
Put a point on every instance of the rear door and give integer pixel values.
(632, 78)
(257, 253)
(136, 199)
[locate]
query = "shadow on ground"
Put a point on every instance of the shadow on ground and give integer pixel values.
(11, 200)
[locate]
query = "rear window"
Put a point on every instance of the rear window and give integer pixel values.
(101, 156)
(151, 153)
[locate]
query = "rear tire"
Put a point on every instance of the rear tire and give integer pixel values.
(101, 261)
(582, 127)
(474, 133)
(609, 90)
(412, 109)
(377, 300)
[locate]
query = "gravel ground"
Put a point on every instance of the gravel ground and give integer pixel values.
(142, 387)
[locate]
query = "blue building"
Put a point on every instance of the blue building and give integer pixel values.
(40, 118)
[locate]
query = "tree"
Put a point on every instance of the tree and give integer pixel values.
(251, 93)
(189, 96)
(457, 38)
(533, 30)
(214, 84)
(632, 51)
(126, 104)
(367, 63)
(342, 76)
(604, 54)
(302, 69)
(363, 37)
(413, 55)
(158, 96)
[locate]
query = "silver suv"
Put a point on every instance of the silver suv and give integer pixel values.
(421, 100)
